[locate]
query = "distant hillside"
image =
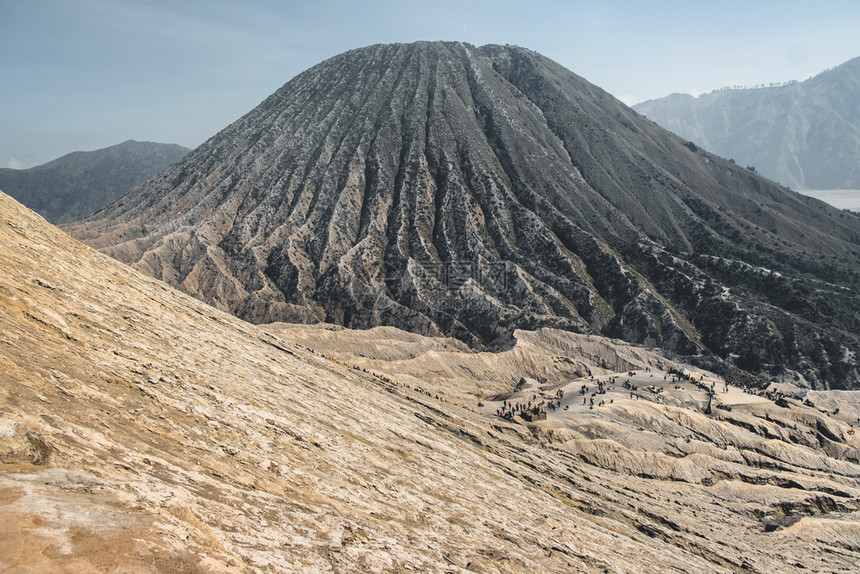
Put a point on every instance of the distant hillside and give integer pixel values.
(805, 135)
(80, 183)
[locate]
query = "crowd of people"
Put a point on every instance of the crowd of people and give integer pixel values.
(510, 409)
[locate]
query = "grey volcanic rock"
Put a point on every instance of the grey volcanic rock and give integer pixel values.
(78, 184)
(143, 431)
(448, 189)
(803, 134)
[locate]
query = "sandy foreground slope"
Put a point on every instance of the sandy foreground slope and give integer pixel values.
(142, 431)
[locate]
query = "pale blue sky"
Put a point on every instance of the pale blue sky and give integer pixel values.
(86, 74)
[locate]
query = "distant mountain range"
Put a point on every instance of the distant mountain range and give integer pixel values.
(80, 183)
(448, 189)
(805, 135)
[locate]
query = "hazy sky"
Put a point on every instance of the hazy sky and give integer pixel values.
(86, 74)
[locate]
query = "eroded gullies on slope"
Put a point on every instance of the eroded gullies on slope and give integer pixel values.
(209, 444)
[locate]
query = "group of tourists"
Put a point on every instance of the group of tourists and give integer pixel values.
(510, 409)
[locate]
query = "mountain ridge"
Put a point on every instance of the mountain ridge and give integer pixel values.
(448, 189)
(803, 134)
(79, 183)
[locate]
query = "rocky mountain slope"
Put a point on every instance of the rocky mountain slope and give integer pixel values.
(76, 185)
(447, 189)
(804, 134)
(141, 430)
(449, 368)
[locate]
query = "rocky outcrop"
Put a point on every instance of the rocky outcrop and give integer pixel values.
(80, 183)
(448, 189)
(803, 134)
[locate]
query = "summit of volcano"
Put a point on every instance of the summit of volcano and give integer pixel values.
(470, 191)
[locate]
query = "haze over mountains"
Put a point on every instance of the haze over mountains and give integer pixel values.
(448, 189)
(805, 135)
(76, 185)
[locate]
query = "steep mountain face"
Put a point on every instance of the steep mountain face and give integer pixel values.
(805, 135)
(448, 189)
(80, 183)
